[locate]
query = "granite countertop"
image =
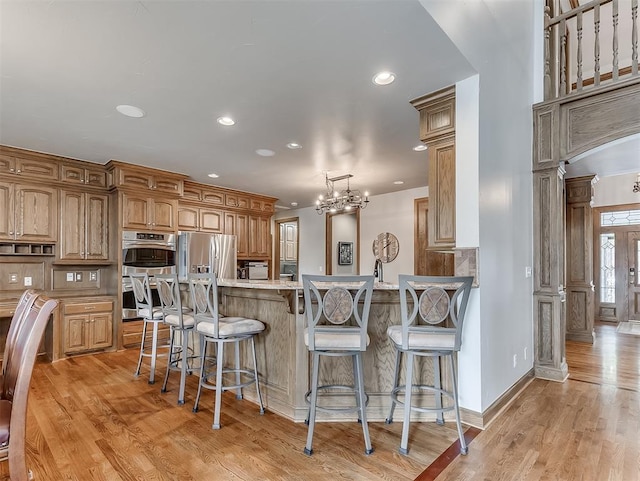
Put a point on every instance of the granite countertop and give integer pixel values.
(280, 284)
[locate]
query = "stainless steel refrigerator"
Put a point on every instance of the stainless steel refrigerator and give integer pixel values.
(199, 252)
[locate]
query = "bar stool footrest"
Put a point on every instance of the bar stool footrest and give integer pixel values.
(401, 390)
(345, 409)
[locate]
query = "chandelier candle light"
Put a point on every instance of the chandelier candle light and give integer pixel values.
(335, 201)
(636, 186)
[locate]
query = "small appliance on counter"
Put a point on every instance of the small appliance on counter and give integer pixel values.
(258, 270)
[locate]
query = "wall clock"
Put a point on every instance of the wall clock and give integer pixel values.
(386, 247)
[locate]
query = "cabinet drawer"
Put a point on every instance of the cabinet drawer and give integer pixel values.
(100, 306)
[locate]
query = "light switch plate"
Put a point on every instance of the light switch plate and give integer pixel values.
(70, 276)
(28, 281)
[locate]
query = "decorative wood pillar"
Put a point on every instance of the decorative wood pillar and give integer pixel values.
(438, 132)
(580, 287)
(548, 246)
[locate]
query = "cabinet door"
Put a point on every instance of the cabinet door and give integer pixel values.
(7, 211)
(95, 177)
(442, 193)
(36, 213)
(259, 236)
(188, 218)
(72, 174)
(72, 232)
(135, 212)
(164, 214)
(7, 164)
(135, 180)
(236, 200)
(37, 168)
(76, 333)
(291, 234)
(213, 197)
(211, 220)
(166, 185)
(101, 331)
(97, 227)
(242, 235)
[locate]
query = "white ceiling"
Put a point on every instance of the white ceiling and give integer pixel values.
(621, 156)
(286, 71)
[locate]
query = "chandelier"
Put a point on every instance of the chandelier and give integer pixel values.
(636, 186)
(335, 201)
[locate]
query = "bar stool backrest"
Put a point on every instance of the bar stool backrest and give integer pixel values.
(204, 299)
(142, 294)
(337, 305)
(168, 289)
(434, 305)
(27, 299)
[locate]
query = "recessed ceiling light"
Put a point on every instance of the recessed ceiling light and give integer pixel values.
(294, 145)
(398, 182)
(226, 121)
(384, 78)
(294, 204)
(213, 176)
(420, 148)
(265, 152)
(130, 111)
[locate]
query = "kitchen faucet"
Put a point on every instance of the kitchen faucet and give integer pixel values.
(377, 271)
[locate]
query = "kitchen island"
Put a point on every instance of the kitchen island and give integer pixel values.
(283, 358)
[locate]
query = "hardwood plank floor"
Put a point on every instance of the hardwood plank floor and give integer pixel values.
(90, 419)
(583, 429)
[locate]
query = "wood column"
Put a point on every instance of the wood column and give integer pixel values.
(580, 287)
(548, 247)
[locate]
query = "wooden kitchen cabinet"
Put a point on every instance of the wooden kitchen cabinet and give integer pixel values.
(87, 326)
(84, 232)
(441, 216)
(34, 168)
(28, 212)
(138, 178)
(199, 219)
(73, 174)
(148, 213)
(259, 237)
(237, 224)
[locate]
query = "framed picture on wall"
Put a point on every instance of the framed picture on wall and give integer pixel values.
(345, 253)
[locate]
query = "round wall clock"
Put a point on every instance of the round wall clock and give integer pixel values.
(386, 247)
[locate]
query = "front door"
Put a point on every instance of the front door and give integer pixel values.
(633, 279)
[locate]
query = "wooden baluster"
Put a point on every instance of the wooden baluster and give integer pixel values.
(634, 37)
(596, 45)
(615, 40)
(579, 53)
(547, 54)
(563, 58)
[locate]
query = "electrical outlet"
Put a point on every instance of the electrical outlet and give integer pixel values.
(13, 278)
(28, 281)
(93, 276)
(515, 360)
(527, 271)
(78, 276)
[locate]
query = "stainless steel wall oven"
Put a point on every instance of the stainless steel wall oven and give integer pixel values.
(153, 253)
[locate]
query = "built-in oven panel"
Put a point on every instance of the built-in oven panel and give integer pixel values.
(145, 252)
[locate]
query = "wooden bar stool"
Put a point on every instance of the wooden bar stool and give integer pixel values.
(337, 312)
(432, 312)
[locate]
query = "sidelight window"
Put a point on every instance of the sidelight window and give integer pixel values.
(608, 267)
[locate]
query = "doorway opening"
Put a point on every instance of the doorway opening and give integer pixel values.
(286, 250)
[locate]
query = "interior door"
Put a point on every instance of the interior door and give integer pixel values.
(633, 256)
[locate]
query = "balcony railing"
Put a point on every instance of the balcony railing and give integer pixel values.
(589, 46)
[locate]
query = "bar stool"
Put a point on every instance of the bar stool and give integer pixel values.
(150, 314)
(432, 312)
(180, 321)
(214, 329)
(337, 311)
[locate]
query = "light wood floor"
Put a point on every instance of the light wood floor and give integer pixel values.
(587, 428)
(90, 419)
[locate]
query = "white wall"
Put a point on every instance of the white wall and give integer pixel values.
(385, 213)
(344, 229)
(615, 190)
(502, 49)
